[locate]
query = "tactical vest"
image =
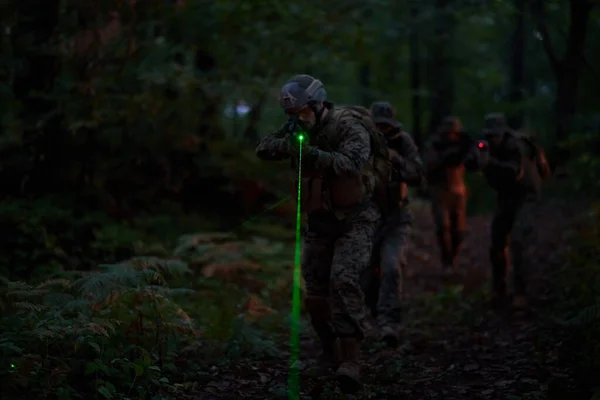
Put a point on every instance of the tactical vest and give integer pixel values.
(325, 191)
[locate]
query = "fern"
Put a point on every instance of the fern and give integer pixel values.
(586, 316)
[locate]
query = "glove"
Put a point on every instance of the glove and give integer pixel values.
(314, 158)
(292, 146)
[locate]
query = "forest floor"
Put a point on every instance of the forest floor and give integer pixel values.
(452, 346)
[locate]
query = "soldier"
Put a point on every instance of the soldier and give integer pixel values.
(515, 169)
(338, 169)
(445, 158)
(395, 230)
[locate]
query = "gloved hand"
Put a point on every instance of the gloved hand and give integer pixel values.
(293, 145)
(314, 158)
(483, 151)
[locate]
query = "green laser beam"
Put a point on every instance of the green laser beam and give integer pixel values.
(294, 374)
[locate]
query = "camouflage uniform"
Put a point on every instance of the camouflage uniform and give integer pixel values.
(445, 162)
(396, 227)
(513, 174)
(337, 189)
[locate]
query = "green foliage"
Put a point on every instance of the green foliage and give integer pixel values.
(43, 237)
(121, 332)
(110, 332)
(584, 168)
(578, 286)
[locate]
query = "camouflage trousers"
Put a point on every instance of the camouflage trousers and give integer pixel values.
(514, 225)
(392, 244)
(336, 254)
(449, 213)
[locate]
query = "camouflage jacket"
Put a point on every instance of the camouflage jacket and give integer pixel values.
(406, 159)
(349, 147)
(511, 171)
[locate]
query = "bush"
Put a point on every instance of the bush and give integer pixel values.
(107, 332)
(122, 332)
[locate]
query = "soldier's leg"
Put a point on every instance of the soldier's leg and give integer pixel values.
(459, 222)
(442, 223)
(393, 264)
(316, 265)
(352, 254)
(501, 226)
(522, 241)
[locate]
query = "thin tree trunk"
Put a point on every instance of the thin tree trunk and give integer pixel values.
(415, 75)
(32, 45)
(251, 133)
(364, 80)
(566, 67)
(517, 66)
(441, 64)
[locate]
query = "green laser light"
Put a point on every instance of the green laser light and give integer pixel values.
(294, 371)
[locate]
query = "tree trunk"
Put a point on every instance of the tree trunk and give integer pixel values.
(517, 66)
(364, 73)
(251, 133)
(441, 64)
(32, 45)
(364, 80)
(415, 75)
(566, 67)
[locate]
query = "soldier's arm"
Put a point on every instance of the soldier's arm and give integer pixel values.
(511, 167)
(273, 147)
(352, 153)
(409, 161)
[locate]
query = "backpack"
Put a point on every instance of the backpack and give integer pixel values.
(536, 153)
(380, 153)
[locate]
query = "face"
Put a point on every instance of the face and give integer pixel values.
(385, 129)
(449, 135)
(306, 117)
(450, 130)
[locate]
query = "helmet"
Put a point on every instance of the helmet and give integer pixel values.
(384, 113)
(301, 91)
(494, 123)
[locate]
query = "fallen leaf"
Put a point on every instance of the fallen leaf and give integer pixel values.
(255, 309)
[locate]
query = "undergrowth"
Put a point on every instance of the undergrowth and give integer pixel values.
(144, 328)
(577, 286)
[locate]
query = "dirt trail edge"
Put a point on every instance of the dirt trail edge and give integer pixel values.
(452, 347)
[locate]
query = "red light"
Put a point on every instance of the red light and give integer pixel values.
(480, 145)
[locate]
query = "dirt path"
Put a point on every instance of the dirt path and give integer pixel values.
(453, 347)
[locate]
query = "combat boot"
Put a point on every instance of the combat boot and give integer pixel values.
(348, 373)
(320, 316)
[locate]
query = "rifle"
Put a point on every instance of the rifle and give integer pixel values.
(464, 145)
